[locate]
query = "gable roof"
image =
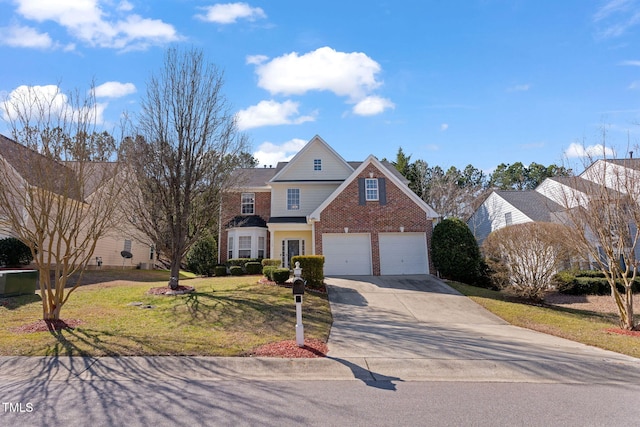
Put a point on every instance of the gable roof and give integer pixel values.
(253, 178)
(531, 203)
(23, 160)
(371, 160)
(316, 141)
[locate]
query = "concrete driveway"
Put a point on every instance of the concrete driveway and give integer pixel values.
(417, 327)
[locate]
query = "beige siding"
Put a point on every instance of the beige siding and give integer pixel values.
(301, 168)
(311, 196)
(109, 248)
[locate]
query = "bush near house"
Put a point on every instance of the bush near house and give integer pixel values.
(270, 262)
(201, 258)
(455, 252)
(281, 275)
(253, 268)
(14, 253)
(268, 270)
(586, 282)
(236, 270)
(524, 258)
(312, 269)
(220, 270)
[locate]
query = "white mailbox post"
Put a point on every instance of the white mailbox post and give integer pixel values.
(298, 291)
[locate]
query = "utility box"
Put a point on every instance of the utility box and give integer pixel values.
(18, 282)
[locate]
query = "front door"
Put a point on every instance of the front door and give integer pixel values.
(291, 248)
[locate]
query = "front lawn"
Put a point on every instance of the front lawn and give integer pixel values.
(225, 316)
(585, 326)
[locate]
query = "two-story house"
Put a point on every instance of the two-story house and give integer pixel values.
(17, 164)
(361, 216)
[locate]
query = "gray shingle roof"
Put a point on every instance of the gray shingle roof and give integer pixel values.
(38, 170)
(531, 203)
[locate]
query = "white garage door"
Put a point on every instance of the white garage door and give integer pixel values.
(346, 254)
(403, 253)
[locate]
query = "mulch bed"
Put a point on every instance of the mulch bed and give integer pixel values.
(289, 349)
(165, 290)
(48, 325)
(623, 332)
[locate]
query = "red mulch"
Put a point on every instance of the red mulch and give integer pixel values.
(165, 290)
(48, 325)
(289, 349)
(623, 332)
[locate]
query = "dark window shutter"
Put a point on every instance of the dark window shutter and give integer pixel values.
(361, 192)
(382, 191)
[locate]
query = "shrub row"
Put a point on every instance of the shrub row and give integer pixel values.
(590, 282)
(276, 274)
(240, 266)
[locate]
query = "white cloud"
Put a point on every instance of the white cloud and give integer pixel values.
(87, 21)
(616, 17)
(125, 6)
(372, 105)
(114, 90)
(519, 88)
(270, 154)
(579, 150)
(444, 127)
(229, 13)
(34, 101)
(632, 63)
(269, 113)
(20, 36)
(634, 85)
(345, 74)
(256, 59)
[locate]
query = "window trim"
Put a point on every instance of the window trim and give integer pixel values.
(251, 204)
(293, 204)
(371, 194)
(244, 244)
(317, 164)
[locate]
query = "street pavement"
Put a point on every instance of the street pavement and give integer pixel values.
(391, 328)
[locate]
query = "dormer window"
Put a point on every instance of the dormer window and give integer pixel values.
(317, 164)
(248, 203)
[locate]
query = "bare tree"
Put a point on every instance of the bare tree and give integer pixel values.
(186, 147)
(54, 196)
(603, 207)
(523, 258)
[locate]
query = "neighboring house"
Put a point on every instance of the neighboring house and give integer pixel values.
(550, 200)
(20, 160)
(361, 216)
(503, 207)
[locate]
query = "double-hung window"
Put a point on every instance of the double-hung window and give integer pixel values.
(244, 247)
(371, 189)
(293, 199)
(248, 203)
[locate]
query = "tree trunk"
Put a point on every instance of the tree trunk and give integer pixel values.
(175, 273)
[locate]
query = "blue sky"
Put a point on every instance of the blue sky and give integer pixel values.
(457, 82)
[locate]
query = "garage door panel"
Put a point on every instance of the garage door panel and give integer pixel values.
(403, 253)
(346, 254)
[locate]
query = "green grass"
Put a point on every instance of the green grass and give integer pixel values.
(226, 316)
(577, 325)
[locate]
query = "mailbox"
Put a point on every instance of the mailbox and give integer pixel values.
(298, 286)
